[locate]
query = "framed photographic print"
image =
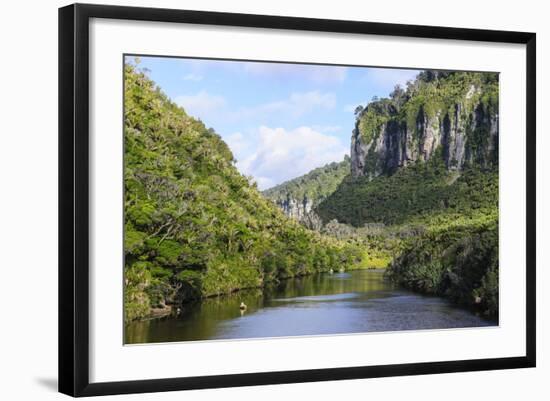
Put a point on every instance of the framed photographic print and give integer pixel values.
(251, 199)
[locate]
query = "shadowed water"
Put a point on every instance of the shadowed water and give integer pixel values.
(355, 302)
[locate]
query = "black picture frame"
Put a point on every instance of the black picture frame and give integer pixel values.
(74, 198)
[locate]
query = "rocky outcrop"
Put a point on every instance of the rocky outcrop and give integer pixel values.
(298, 197)
(300, 210)
(294, 208)
(461, 130)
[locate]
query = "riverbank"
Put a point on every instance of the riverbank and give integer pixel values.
(458, 261)
(358, 301)
(172, 309)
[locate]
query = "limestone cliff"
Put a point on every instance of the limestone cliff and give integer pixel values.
(449, 115)
(298, 197)
(300, 209)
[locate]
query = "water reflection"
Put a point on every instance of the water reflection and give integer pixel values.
(359, 301)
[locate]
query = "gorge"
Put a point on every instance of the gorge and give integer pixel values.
(424, 171)
(417, 197)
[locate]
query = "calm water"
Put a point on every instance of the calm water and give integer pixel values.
(355, 302)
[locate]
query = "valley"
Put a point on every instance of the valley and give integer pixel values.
(416, 200)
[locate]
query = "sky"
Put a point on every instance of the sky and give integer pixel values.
(280, 120)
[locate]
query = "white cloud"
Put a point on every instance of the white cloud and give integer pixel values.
(328, 74)
(265, 183)
(320, 74)
(296, 105)
(204, 105)
(300, 103)
(315, 73)
(280, 155)
(236, 137)
(201, 104)
(327, 128)
(238, 144)
(390, 76)
(192, 77)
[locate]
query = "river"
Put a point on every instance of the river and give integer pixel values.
(351, 302)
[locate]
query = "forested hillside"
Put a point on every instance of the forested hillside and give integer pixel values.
(412, 194)
(313, 186)
(455, 257)
(194, 226)
(298, 197)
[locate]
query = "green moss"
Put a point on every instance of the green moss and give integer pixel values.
(371, 122)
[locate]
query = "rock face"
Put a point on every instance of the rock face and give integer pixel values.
(300, 210)
(298, 197)
(451, 117)
(461, 129)
(294, 208)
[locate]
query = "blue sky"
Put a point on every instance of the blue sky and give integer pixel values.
(280, 120)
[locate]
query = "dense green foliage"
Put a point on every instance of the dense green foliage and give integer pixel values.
(435, 91)
(441, 229)
(458, 260)
(314, 186)
(379, 243)
(411, 193)
(437, 223)
(371, 119)
(194, 226)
